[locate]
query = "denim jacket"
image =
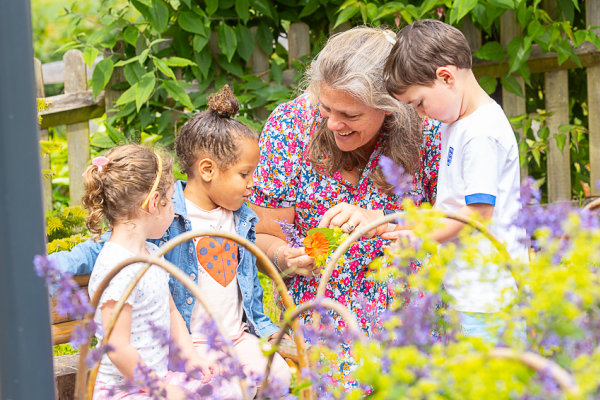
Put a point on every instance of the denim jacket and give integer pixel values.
(81, 259)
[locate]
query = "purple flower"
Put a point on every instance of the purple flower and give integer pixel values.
(396, 176)
(96, 354)
(291, 233)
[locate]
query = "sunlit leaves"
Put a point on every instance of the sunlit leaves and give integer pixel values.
(227, 40)
(101, 75)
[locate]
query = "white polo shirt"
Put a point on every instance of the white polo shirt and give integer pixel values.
(480, 164)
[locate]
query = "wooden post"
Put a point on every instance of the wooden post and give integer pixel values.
(512, 104)
(118, 76)
(78, 135)
(43, 135)
(558, 165)
(592, 12)
(298, 46)
(558, 162)
(259, 62)
(472, 34)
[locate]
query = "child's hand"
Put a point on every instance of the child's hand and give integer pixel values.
(404, 236)
(208, 368)
(274, 335)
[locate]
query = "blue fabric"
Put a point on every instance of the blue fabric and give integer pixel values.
(488, 326)
(480, 198)
(81, 259)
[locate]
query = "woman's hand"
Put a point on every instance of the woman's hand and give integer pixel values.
(294, 261)
(349, 217)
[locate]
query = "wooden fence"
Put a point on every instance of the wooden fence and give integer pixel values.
(76, 106)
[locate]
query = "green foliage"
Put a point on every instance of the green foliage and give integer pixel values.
(66, 228)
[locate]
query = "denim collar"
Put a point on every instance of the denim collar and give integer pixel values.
(245, 213)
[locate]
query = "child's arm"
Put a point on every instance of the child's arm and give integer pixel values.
(182, 339)
(81, 258)
(451, 228)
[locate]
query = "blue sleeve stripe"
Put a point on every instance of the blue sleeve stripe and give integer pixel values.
(480, 198)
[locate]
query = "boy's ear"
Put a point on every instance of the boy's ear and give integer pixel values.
(205, 169)
(446, 74)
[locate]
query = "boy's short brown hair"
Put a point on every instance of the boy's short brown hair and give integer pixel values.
(421, 48)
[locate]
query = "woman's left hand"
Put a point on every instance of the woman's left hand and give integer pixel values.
(349, 217)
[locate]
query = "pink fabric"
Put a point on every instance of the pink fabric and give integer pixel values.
(231, 391)
(248, 351)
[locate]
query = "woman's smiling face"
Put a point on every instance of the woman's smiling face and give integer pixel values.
(353, 123)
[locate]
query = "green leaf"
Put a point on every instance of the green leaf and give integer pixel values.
(176, 92)
(427, 6)
(345, 15)
(158, 15)
(89, 55)
(371, 11)
(543, 132)
(518, 53)
(491, 51)
(227, 40)
(561, 140)
(178, 62)
(192, 22)
(265, 8)
(264, 38)
(199, 42)
(144, 89)
(460, 8)
(203, 62)
(511, 84)
(102, 140)
(488, 83)
(115, 134)
(122, 63)
(242, 9)
(311, 7)
(128, 96)
(144, 56)
(245, 41)
(509, 4)
(535, 29)
(101, 75)
(130, 34)
(211, 6)
(163, 67)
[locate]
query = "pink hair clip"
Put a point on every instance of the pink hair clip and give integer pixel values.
(100, 162)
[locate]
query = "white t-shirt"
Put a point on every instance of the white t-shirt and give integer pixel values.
(150, 304)
(480, 164)
(217, 272)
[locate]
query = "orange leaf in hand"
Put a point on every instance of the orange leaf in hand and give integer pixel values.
(316, 245)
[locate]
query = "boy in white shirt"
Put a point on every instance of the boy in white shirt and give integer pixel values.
(430, 68)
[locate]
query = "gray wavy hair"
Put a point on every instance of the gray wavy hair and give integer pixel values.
(353, 61)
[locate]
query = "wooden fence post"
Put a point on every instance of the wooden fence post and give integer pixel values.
(111, 95)
(592, 12)
(298, 47)
(259, 62)
(472, 34)
(558, 162)
(512, 104)
(78, 135)
(43, 135)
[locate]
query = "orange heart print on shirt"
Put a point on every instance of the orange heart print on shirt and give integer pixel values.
(218, 257)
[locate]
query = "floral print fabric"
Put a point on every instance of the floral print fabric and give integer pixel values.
(286, 178)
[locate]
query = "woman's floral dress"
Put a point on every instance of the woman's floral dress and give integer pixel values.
(286, 178)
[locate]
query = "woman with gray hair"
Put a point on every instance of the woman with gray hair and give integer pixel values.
(319, 166)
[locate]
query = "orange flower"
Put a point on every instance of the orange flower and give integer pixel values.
(316, 245)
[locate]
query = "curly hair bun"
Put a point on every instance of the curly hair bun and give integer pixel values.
(223, 103)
